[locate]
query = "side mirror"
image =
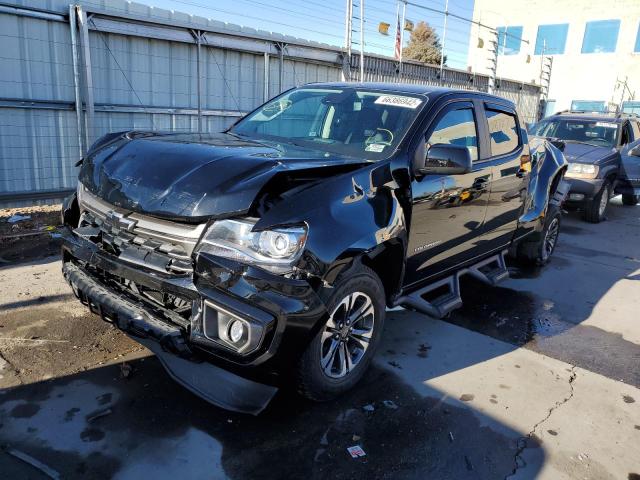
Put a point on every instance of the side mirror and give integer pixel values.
(635, 151)
(446, 159)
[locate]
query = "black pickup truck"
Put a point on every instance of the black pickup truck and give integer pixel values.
(266, 255)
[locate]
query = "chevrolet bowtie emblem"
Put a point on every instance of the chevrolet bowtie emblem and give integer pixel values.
(119, 221)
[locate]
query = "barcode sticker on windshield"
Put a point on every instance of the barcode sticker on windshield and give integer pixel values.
(606, 124)
(399, 101)
(375, 147)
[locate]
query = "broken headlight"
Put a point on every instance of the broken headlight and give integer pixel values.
(274, 250)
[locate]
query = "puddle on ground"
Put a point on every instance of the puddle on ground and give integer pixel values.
(520, 271)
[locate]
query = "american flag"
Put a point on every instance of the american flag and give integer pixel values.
(398, 50)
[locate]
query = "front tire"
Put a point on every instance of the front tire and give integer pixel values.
(337, 358)
(539, 251)
(630, 199)
(595, 211)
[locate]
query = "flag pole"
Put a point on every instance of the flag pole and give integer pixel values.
(404, 13)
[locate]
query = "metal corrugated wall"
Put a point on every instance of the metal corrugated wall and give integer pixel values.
(144, 75)
(38, 147)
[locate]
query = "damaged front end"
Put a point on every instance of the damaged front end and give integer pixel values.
(216, 324)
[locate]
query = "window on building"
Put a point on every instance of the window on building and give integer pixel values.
(551, 39)
(631, 107)
(550, 108)
(509, 39)
(503, 129)
(637, 47)
(600, 36)
(588, 106)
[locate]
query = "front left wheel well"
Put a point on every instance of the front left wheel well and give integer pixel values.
(387, 261)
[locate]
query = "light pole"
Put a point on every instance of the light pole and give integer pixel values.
(444, 37)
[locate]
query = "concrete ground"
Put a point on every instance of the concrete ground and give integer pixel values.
(538, 378)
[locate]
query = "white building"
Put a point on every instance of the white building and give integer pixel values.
(594, 44)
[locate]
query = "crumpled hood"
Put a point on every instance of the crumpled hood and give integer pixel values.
(192, 176)
(583, 153)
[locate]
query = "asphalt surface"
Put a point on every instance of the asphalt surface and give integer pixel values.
(537, 378)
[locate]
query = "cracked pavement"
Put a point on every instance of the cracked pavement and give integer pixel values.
(538, 378)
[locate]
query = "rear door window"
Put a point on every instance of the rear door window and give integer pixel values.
(504, 132)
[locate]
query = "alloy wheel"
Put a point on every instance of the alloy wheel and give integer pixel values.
(347, 335)
(604, 200)
(550, 239)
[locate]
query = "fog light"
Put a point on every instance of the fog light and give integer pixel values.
(576, 196)
(236, 331)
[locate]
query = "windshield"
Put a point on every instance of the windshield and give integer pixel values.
(591, 132)
(354, 122)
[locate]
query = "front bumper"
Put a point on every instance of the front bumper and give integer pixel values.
(583, 190)
(289, 309)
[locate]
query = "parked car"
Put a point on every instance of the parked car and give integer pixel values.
(596, 145)
(629, 177)
(267, 254)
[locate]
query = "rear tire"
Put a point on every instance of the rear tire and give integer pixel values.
(630, 199)
(539, 252)
(595, 211)
(339, 355)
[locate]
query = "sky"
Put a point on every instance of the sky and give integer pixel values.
(323, 20)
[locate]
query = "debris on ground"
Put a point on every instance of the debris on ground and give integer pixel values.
(355, 437)
(395, 364)
(451, 437)
(48, 471)
(356, 451)
(18, 218)
(368, 408)
(390, 404)
(125, 370)
(99, 414)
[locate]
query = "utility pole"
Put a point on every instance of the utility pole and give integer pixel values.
(361, 41)
(444, 37)
(493, 62)
(348, 29)
(404, 16)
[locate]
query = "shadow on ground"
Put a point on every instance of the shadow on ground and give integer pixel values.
(153, 427)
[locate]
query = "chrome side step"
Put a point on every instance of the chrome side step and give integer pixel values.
(490, 270)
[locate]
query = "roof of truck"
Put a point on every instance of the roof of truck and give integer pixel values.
(410, 88)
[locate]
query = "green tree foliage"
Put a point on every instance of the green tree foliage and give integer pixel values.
(424, 45)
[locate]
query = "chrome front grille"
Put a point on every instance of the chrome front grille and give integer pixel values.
(139, 239)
